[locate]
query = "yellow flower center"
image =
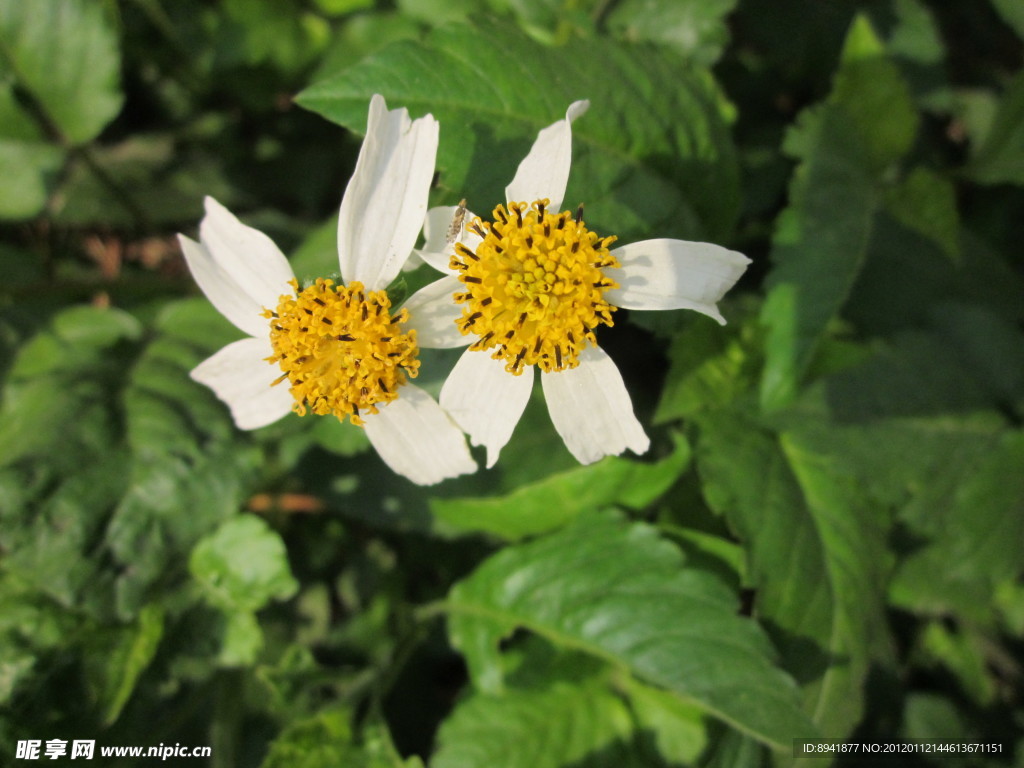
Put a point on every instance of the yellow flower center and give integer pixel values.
(534, 286)
(341, 349)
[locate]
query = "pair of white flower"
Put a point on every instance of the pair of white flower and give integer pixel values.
(525, 288)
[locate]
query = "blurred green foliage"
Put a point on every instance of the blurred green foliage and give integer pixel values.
(825, 539)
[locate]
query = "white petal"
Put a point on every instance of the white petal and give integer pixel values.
(240, 376)
(222, 291)
(674, 274)
(386, 199)
(544, 172)
(433, 312)
(417, 439)
(248, 256)
(591, 409)
(437, 251)
(486, 400)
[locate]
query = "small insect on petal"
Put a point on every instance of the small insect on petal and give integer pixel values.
(455, 228)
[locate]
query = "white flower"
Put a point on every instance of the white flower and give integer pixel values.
(339, 347)
(531, 285)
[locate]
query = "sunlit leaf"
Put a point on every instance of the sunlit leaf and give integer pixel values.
(618, 592)
(242, 565)
(65, 53)
(825, 606)
(556, 500)
(641, 164)
(844, 145)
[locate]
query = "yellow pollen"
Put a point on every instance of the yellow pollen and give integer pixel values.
(341, 349)
(534, 288)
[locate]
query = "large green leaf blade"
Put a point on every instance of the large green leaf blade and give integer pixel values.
(846, 145)
(652, 156)
(619, 592)
(66, 54)
(827, 602)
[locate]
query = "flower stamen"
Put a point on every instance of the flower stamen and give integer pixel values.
(534, 286)
(341, 349)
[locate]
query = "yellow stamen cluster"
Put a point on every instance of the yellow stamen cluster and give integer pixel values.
(341, 349)
(534, 286)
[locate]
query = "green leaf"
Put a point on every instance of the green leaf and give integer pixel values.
(813, 550)
(846, 146)
(241, 639)
(30, 628)
(642, 164)
(66, 55)
(556, 500)
(1012, 13)
(709, 367)
(926, 202)
(817, 253)
(618, 592)
(62, 371)
(1000, 157)
(578, 723)
(322, 741)
(971, 524)
(874, 96)
(121, 656)
(695, 28)
(915, 36)
(327, 740)
(679, 727)
(242, 565)
(28, 169)
(963, 653)
(274, 33)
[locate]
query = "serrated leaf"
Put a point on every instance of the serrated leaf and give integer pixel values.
(642, 165)
(580, 723)
(695, 28)
(972, 527)
(826, 603)
(78, 87)
(242, 565)
(821, 241)
(847, 146)
(618, 592)
(816, 251)
(550, 503)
